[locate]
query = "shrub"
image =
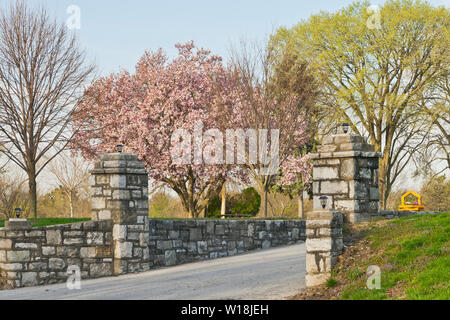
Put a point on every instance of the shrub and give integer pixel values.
(245, 203)
(214, 207)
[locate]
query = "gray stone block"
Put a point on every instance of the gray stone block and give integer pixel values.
(56, 264)
(170, 257)
(325, 173)
(374, 194)
(29, 278)
(195, 234)
(54, 237)
(220, 229)
(334, 187)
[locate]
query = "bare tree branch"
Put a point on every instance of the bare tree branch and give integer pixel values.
(42, 73)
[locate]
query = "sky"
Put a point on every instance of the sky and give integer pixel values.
(115, 33)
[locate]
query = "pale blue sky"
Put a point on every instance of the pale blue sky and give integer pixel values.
(116, 32)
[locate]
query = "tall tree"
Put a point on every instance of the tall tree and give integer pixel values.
(436, 107)
(271, 98)
(374, 78)
(42, 72)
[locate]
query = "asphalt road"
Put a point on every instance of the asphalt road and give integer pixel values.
(264, 274)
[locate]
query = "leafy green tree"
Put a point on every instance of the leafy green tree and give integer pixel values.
(214, 207)
(375, 78)
(246, 203)
(436, 107)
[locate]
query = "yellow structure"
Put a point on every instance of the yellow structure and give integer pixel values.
(416, 206)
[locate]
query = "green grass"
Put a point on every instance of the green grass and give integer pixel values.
(413, 254)
(40, 222)
(331, 283)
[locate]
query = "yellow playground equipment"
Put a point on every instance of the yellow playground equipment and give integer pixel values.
(411, 206)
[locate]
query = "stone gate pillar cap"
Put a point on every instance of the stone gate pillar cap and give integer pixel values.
(119, 163)
(119, 156)
(17, 224)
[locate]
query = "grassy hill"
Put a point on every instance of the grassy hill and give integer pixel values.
(413, 254)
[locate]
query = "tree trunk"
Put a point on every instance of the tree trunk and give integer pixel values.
(223, 208)
(71, 204)
(382, 172)
(265, 200)
(32, 190)
(192, 212)
(300, 205)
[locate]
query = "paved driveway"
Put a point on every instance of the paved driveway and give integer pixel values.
(264, 274)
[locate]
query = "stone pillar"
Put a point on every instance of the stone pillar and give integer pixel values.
(119, 192)
(324, 244)
(346, 171)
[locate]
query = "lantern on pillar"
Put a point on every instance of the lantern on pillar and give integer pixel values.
(345, 127)
(323, 201)
(18, 211)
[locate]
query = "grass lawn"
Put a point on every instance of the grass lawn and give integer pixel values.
(39, 222)
(413, 254)
(227, 218)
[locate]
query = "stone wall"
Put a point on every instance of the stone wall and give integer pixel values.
(399, 214)
(346, 171)
(42, 255)
(174, 242)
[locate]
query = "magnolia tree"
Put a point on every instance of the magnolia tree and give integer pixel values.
(175, 115)
(149, 111)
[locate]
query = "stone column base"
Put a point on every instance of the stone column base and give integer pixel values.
(324, 244)
(314, 280)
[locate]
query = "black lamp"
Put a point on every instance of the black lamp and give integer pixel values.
(18, 212)
(119, 148)
(323, 201)
(345, 127)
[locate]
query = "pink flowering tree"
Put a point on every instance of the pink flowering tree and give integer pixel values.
(145, 110)
(183, 107)
(284, 167)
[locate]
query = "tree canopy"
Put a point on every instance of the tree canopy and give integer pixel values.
(376, 79)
